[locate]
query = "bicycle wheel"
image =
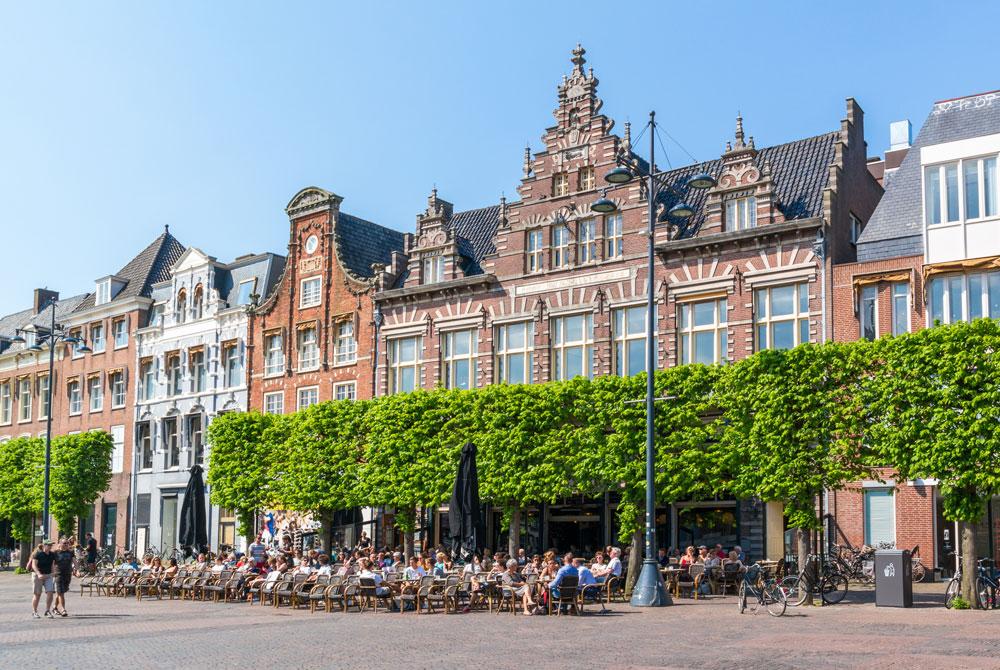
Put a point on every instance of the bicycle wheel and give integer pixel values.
(919, 572)
(984, 593)
(741, 597)
(951, 592)
(774, 599)
(795, 589)
(833, 588)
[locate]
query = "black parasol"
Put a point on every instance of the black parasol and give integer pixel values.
(464, 520)
(194, 527)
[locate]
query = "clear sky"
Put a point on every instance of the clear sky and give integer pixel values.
(118, 118)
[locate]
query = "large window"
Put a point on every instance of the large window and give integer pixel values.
(117, 388)
(274, 403)
(308, 349)
(586, 178)
(704, 334)
(119, 331)
(174, 375)
(560, 184)
(781, 314)
(75, 395)
(274, 355)
(868, 312)
(900, 308)
(97, 342)
(613, 247)
(560, 246)
(515, 351)
(145, 443)
(536, 250)
(171, 443)
(196, 362)
(312, 292)
(965, 297)
(43, 397)
(880, 517)
(630, 340)
(231, 364)
(459, 355)
(118, 448)
(433, 269)
(247, 288)
(5, 403)
(573, 346)
(196, 438)
(307, 397)
(741, 213)
(586, 241)
(964, 189)
(346, 347)
(96, 391)
(404, 364)
(345, 391)
(147, 380)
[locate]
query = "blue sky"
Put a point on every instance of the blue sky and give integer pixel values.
(118, 118)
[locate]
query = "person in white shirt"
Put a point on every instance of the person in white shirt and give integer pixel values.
(368, 573)
(612, 569)
(324, 569)
(413, 571)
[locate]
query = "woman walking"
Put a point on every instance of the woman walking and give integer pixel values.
(64, 564)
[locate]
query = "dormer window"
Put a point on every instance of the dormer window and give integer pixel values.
(196, 306)
(741, 213)
(586, 178)
(433, 270)
(103, 294)
(181, 311)
(560, 184)
(247, 288)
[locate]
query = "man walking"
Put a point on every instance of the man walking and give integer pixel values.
(41, 579)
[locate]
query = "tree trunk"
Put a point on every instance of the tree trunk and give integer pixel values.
(514, 532)
(968, 550)
(802, 538)
(25, 553)
(634, 561)
(406, 526)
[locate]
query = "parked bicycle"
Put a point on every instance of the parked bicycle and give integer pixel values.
(856, 564)
(764, 591)
(987, 588)
(827, 583)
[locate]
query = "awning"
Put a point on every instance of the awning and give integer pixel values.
(989, 263)
(874, 278)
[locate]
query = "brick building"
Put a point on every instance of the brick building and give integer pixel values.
(929, 254)
(544, 289)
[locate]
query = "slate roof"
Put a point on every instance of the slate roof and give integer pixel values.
(265, 268)
(474, 231)
(896, 227)
(150, 266)
(11, 323)
(361, 243)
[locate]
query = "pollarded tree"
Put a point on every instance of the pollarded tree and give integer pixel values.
(81, 471)
(936, 398)
(794, 422)
(21, 462)
(245, 461)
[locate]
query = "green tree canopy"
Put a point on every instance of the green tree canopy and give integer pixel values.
(81, 471)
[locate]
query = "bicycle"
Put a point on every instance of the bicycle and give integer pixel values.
(986, 586)
(856, 564)
(764, 590)
(831, 586)
(919, 569)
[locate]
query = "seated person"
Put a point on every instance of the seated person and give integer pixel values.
(347, 568)
(414, 570)
(220, 565)
(586, 576)
(662, 558)
(612, 569)
(368, 573)
(567, 569)
(688, 559)
(734, 559)
(473, 567)
(441, 566)
(512, 580)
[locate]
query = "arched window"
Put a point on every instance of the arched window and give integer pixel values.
(196, 305)
(181, 312)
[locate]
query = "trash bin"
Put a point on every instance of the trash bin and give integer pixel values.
(893, 578)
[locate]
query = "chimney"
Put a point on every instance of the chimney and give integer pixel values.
(900, 135)
(42, 296)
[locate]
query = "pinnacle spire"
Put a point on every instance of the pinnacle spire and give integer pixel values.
(578, 59)
(739, 131)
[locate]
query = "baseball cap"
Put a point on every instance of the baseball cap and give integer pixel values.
(47, 541)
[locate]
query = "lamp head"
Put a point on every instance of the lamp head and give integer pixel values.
(702, 180)
(619, 175)
(35, 347)
(681, 210)
(603, 206)
(17, 339)
(83, 348)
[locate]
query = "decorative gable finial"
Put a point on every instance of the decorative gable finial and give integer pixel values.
(503, 210)
(739, 131)
(527, 160)
(627, 140)
(578, 59)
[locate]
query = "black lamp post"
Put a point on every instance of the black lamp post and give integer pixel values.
(649, 590)
(54, 335)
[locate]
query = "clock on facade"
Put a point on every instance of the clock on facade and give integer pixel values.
(311, 244)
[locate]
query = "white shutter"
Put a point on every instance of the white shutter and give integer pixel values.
(880, 516)
(118, 454)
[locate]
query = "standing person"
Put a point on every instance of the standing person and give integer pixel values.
(91, 553)
(64, 565)
(257, 552)
(41, 578)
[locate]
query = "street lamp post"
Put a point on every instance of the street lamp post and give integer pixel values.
(55, 334)
(649, 590)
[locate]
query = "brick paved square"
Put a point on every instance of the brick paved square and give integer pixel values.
(121, 633)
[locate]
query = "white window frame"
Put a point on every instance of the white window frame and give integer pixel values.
(561, 347)
(450, 360)
(118, 450)
(855, 228)
(966, 284)
(196, 437)
(97, 345)
(24, 400)
(274, 355)
(586, 179)
(900, 310)
(231, 369)
(274, 402)
(102, 294)
(144, 444)
(175, 375)
(240, 300)
(345, 391)
(95, 401)
(505, 352)
(962, 214)
(345, 348)
(311, 292)
(117, 398)
(172, 443)
(308, 350)
(882, 492)
(622, 336)
(741, 213)
(74, 397)
(74, 349)
(119, 326)
(305, 397)
(560, 184)
(560, 246)
(181, 307)
(198, 370)
(43, 396)
(535, 245)
(147, 380)
(764, 319)
(868, 294)
(6, 403)
(688, 330)
(397, 367)
(586, 240)
(432, 268)
(613, 239)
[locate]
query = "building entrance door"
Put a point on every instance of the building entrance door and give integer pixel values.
(168, 523)
(109, 525)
